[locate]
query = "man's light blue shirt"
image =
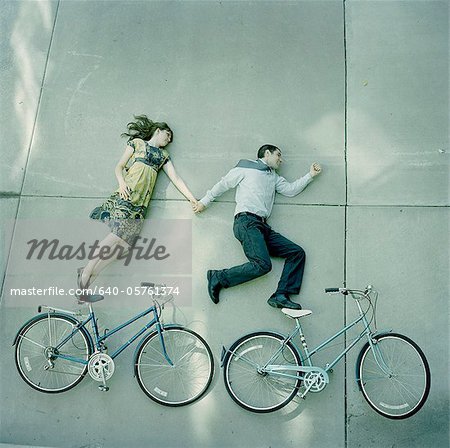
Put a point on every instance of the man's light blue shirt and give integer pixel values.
(255, 188)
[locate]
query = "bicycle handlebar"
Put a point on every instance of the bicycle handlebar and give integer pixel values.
(336, 290)
(346, 291)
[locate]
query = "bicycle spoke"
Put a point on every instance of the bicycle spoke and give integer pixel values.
(33, 342)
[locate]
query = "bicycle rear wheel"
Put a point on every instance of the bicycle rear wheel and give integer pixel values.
(402, 389)
(37, 353)
(183, 382)
(248, 384)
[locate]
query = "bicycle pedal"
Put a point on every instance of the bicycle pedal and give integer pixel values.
(103, 388)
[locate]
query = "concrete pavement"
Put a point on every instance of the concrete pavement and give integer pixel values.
(360, 86)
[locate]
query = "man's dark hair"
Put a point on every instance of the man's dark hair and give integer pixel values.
(264, 148)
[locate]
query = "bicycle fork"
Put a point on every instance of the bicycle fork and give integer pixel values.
(379, 359)
(377, 353)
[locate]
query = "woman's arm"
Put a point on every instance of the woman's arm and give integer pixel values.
(124, 190)
(169, 169)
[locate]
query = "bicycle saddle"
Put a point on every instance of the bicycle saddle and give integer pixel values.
(89, 298)
(295, 314)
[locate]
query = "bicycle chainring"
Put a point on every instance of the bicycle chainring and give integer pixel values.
(316, 380)
(100, 367)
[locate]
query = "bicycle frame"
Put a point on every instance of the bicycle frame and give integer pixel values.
(367, 332)
(98, 340)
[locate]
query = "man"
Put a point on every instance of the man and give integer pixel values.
(256, 182)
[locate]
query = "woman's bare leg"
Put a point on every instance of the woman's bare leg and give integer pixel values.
(117, 247)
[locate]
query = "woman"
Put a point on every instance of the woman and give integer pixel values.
(124, 211)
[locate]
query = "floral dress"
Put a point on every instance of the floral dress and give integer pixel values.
(125, 217)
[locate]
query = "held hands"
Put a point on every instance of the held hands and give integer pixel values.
(197, 206)
(315, 169)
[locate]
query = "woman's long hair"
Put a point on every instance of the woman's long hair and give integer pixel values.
(144, 128)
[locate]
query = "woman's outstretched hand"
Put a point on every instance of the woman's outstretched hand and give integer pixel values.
(197, 206)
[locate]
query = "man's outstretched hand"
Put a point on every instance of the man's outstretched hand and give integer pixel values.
(315, 169)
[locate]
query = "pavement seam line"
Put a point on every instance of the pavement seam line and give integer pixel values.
(345, 217)
(33, 131)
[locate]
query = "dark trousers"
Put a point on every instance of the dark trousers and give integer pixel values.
(260, 242)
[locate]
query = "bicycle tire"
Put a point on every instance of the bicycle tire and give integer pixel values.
(189, 377)
(39, 336)
(404, 391)
(253, 390)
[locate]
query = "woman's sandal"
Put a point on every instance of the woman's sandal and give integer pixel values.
(85, 298)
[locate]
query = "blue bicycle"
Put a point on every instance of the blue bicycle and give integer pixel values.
(54, 350)
(265, 370)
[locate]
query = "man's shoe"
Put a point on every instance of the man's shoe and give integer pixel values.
(283, 301)
(214, 285)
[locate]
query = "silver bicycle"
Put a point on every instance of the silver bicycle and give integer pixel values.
(264, 370)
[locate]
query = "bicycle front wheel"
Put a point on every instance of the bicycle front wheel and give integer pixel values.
(39, 350)
(247, 380)
(394, 376)
(183, 381)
